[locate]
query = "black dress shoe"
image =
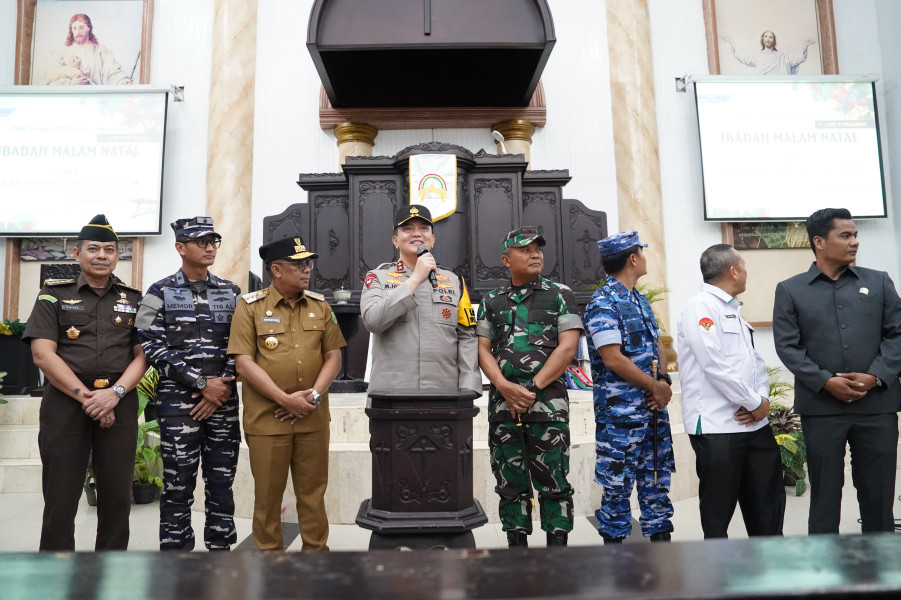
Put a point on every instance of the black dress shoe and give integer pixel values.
(517, 538)
(557, 538)
(663, 536)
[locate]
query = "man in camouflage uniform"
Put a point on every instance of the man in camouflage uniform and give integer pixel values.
(528, 334)
(423, 331)
(625, 352)
(184, 324)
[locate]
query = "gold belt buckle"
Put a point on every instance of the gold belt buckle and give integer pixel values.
(101, 383)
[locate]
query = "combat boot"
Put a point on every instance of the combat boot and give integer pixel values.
(557, 538)
(663, 536)
(612, 540)
(517, 538)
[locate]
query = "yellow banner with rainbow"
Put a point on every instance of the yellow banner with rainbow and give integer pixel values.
(433, 182)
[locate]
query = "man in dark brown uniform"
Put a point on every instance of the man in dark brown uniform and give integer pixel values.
(287, 348)
(83, 338)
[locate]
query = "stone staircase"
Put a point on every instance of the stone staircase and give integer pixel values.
(20, 462)
(350, 462)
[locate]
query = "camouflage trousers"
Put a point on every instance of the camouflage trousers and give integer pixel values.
(533, 455)
(625, 459)
(186, 444)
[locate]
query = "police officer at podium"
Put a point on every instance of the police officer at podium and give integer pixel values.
(83, 337)
(420, 315)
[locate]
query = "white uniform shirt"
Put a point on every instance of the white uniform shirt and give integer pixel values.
(719, 369)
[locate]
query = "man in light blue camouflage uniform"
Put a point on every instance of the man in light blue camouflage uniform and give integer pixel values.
(528, 334)
(184, 323)
(625, 353)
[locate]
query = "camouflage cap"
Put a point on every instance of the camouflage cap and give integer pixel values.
(412, 211)
(522, 237)
(98, 230)
(619, 242)
(286, 249)
(197, 227)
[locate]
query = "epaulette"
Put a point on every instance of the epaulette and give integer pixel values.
(562, 286)
(254, 296)
(128, 287)
(314, 295)
(52, 282)
(387, 265)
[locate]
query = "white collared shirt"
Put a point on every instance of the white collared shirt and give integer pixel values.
(719, 369)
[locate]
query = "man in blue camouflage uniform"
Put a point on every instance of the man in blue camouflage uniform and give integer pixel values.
(528, 334)
(184, 323)
(625, 354)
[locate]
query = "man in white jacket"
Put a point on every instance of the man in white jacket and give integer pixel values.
(725, 404)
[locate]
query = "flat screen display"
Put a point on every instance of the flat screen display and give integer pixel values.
(67, 155)
(777, 149)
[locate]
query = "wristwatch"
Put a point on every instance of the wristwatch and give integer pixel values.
(665, 377)
(120, 391)
(317, 397)
(200, 384)
(531, 385)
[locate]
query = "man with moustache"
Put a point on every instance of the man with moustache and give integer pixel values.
(184, 324)
(528, 334)
(287, 348)
(725, 404)
(83, 337)
(423, 331)
(837, 328)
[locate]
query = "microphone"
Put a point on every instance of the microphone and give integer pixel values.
(423, 249)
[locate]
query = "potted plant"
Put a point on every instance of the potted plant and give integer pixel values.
(786, 425)
(147, 456)
(21, 374)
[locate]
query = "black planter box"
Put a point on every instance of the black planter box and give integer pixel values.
(15, 359)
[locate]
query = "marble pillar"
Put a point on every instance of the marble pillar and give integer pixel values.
(354, 139)
(517, 137)
(229, 176)
(639, 198)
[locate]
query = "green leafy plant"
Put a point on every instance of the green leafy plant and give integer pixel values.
(8, 327)
(146, 456)
(2, 375)
(786, 425)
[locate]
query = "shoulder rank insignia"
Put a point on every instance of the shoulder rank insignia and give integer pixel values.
(314, 295)
(254, 296)
(58, 281)
(128, 287)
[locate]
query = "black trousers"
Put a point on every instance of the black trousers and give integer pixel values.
(743, 468)
(873, 440)
(66, 438)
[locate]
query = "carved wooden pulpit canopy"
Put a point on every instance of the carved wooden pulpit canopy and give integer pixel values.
(426, 53)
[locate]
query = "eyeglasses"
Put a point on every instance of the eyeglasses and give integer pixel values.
(203, 242)
(302, 264)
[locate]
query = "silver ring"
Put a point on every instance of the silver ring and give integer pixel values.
(107, 418)
(291, 415)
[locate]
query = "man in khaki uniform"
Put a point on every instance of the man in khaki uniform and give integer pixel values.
(423, 330)
(286, 343)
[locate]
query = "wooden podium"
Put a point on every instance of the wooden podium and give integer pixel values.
(421, 444)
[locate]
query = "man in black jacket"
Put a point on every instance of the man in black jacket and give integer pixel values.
(837, 327)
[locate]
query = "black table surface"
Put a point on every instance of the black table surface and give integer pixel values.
(816, 566)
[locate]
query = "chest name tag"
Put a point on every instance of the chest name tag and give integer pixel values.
(71, 307)
(221, 301)
(271, 320)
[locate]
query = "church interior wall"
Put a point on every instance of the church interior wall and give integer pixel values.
(578, 136)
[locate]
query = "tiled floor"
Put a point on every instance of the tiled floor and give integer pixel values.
(20, 524)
